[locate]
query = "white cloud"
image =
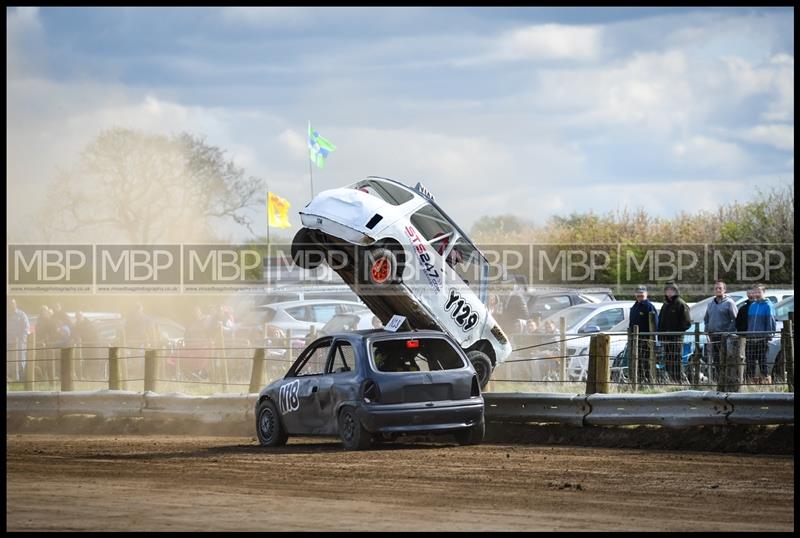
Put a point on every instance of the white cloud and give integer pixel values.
(777, 135)
(550, 41)
(701, 153)
(542, 42)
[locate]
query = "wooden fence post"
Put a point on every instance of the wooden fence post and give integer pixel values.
(114, 372)
(562, 347)
(257, 373)
(651, 347)
(696, 358)
(722, 372)
(30, 363)
(123, 365)
(150, 370)
(224, 359)
(602, 367)
(788, 351)
(633, 358)
(66, 369)
(737, 365)
(591, 369)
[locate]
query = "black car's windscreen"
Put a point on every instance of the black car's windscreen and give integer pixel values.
(415, 355)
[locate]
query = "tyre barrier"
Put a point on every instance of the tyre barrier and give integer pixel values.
(673, 410)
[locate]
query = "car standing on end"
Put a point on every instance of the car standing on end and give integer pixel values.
(371, 386)
(401, 254)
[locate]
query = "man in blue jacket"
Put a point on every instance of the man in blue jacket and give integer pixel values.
(640, 317)
(760, 329)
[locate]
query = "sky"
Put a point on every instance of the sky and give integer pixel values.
(526, 111)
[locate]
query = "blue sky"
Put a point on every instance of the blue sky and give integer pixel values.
(530, 111)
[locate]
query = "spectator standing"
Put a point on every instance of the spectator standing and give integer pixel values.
(60, 318)
(640, 317)
(140, 329)
(674, 317)
(720, 318)
(85, 333)
(741, 315)
(515, 311)
(45, 327)
(760, 328)
(17, 329)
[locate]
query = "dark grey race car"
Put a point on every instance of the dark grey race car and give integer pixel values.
(372, 385)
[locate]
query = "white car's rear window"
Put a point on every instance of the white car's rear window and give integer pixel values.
(388, 192)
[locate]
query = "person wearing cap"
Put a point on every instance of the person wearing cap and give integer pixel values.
(674, 317)
(640, 317)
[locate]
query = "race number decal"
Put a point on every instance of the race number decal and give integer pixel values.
(461, 311)
(288, 397)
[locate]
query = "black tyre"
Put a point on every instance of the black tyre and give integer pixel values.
(482, 364)
(303, 254)
(268, 425)
(351, 432)
(381, 266)
(472, 435)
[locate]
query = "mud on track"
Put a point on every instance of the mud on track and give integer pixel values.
(60, 482)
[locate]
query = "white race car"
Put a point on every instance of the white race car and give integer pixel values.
(401, 254)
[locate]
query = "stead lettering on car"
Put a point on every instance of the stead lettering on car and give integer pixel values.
(425, 259)
(288, 397)
(461, 311)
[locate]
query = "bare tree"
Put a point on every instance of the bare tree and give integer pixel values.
(146, 188)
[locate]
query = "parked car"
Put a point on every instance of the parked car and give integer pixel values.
(584, 320)
(349, 321)
(401, 254)
(297, 316)
(544, 303)
(373, 385)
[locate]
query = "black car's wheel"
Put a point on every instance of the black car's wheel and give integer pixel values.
(268, 425)
(482, 364)
(472, 435)
(352, 433)
(303, 254)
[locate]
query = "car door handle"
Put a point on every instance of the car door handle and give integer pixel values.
(313, 389)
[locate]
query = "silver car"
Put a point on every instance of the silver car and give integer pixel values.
(297, 316)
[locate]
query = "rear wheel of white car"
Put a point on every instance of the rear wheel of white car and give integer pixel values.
(381, 266)
(351, 432)
(268, 425)
(482, 364)
(472, 435)
(303, 252)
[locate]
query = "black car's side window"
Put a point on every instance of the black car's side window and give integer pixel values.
(343, 359)
(315, 362)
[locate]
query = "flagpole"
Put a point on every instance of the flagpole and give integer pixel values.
(311, 175)
(310, 172)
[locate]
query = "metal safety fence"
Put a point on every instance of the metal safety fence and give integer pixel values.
(583, 363)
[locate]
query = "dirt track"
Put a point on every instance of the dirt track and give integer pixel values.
(58, 482)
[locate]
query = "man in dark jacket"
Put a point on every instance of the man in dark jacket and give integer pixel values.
(741, 314)
(674, 317)
(640, 317)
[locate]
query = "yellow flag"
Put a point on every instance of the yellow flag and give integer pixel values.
(278, 211)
